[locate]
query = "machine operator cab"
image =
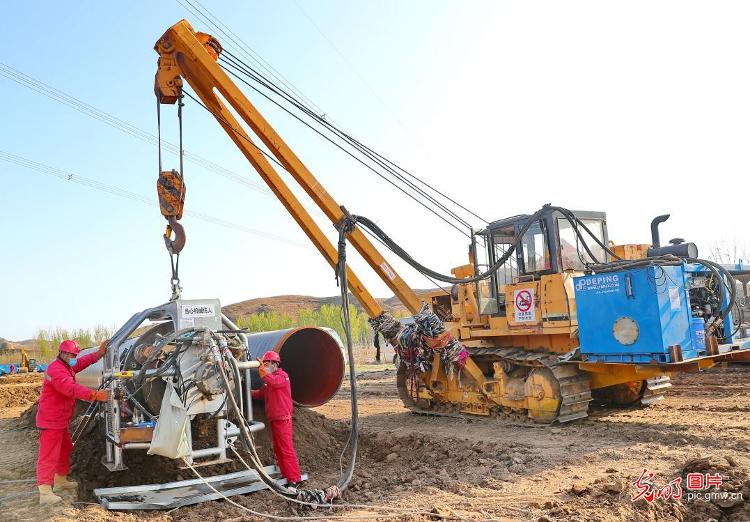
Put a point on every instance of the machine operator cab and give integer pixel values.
(550, 246)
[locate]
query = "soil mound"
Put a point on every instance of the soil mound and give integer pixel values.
(318, 441)
(14, 395)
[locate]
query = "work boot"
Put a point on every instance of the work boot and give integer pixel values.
(62, 482)
(46, 496)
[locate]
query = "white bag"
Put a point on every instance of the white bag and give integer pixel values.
(170, 437)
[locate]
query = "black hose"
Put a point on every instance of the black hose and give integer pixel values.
(345, 227)
(400, 252)
(567, 214)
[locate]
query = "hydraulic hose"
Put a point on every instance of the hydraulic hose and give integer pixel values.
(345, 228)
(404, 255)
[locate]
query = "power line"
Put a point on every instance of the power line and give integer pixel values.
(55, 94)
(126, 194)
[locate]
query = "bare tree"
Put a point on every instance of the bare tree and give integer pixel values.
(727, 253)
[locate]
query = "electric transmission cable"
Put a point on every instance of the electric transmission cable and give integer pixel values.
(55, 94)
(117, 191)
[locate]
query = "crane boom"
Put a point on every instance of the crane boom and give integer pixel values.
(186, 54)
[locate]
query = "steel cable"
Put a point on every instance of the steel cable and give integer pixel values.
(349, 153)
(378, 159)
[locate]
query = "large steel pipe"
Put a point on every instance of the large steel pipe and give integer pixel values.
(313, 357)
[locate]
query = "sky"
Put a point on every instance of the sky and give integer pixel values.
(631, 108)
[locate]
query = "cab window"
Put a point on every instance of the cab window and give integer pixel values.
(535, 249)
(572, 255)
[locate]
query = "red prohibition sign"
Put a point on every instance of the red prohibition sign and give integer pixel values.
(523, 300)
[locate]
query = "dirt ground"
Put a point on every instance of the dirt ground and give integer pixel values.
(478, 469)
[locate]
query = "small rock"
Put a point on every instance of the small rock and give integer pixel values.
(731, 461)
(441, 513)
(555, 431)
(579, 488)
(391, 457)
(551, 504)
(614, 487)
(544, 518)
(611, 470)
(482, 471)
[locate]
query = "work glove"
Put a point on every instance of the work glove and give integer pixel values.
(100, 395)
(262, 369)
(103, 347)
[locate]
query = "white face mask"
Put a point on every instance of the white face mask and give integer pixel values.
(269, 367)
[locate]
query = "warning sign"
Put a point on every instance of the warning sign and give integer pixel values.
(524, 305)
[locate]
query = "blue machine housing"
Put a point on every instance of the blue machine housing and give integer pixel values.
(652, 302)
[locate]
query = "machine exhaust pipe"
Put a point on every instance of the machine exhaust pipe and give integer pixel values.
(655, 230)
(677, 247)
(313, 357)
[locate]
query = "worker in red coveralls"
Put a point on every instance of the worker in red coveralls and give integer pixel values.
(59, 394)
(277, 394)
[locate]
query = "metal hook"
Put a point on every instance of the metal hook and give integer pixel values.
(175, 245)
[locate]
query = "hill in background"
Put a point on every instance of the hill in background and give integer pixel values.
(284, 304)
(292, 304)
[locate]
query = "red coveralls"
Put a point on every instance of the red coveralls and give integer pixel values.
(59, 394)
(277, 394)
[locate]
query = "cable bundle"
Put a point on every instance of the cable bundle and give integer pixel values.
(318, 496)
(415, 343)
(434, 335)
(413, 349)
(387, 325)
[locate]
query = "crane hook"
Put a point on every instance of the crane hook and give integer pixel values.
(171, 190)
(175, 245)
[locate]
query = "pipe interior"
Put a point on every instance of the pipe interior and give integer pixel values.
(315, 364)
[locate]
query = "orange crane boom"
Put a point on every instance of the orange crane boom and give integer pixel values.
(184, 53)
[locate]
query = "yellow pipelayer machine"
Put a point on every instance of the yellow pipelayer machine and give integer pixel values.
(521, 326)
